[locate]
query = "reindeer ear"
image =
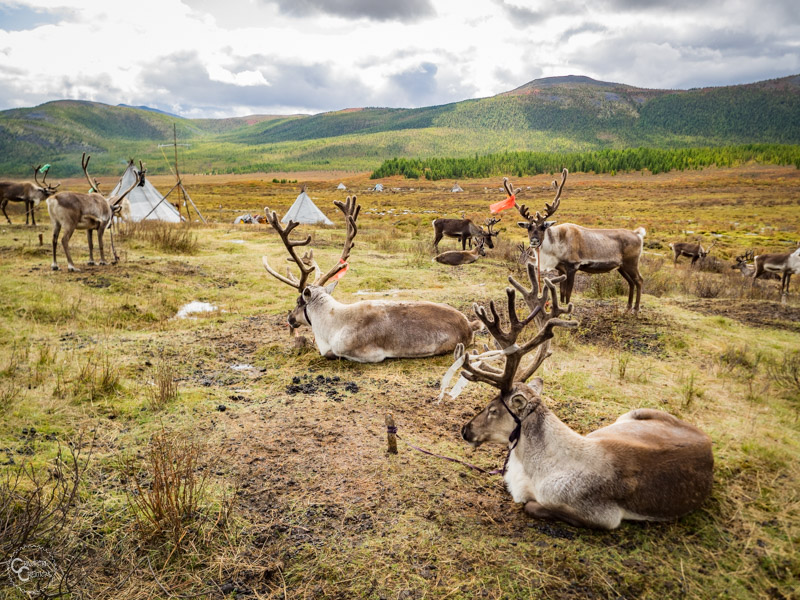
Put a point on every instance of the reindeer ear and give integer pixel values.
(537, 385)
(549, 224)
(307, 294)
(331, 286)
(518, 402)
(524, 224)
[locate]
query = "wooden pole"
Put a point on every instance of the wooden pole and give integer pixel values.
(41, 242)
(391, 434)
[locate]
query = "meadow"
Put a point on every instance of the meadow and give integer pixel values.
(214, 459)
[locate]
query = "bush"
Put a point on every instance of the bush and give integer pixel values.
(174, 238)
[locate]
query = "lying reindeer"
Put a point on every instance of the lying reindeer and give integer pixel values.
(462, 257)
(646, 466)
(29, 193)
(464, 230)
(570, 248)
(93, 212)
(370, 330)
(691, 250)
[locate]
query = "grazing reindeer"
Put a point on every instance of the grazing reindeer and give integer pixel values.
(569, 248)
(463, 229)
(370, 330)
(691, 250)
(29, 193)
(646, 466)
(784, 264)
(462, 257)
(93, 212)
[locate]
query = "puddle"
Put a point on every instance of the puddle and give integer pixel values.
(236, 241)
(193, 308)
(242, 367)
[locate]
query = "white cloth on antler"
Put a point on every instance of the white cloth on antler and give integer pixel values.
(476, 360)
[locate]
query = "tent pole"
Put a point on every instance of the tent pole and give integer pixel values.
(189, 198)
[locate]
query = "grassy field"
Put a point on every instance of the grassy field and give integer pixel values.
(293, 493)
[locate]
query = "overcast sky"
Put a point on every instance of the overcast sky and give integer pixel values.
(210, 58)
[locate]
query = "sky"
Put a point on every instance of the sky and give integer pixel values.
(215, 59)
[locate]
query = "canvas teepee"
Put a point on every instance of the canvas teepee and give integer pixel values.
(456, 188)
(341, 186)
(305, 211)
(145, 201)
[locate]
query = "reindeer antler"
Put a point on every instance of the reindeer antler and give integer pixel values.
(307, 264)
(506, 339)
(351, 209)
(550, 209)
(95, 187)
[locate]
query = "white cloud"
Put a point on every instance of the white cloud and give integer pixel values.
(206, 58)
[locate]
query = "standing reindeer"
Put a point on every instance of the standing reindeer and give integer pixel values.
(569, 248)
(93, 212)
(464, 230)
(691, 250)
(646, 466)
(462, 257)
(784, 264)
(29, 193)
(370, 330)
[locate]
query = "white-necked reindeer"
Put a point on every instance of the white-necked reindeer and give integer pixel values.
(93, 212)
(648, 465)
(784, 264)
(570, 248)
(370, 330)
(29, 193)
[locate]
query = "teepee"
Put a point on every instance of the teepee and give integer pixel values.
(305, 211)
(456, 188)
(341, 186)
(145, 201)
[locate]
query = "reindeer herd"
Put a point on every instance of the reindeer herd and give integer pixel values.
(647, 465)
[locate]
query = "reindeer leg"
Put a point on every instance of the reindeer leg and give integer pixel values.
(33, 214)
(569, 282)
(91, 262)
(56, 231)
(538, 511)
(68, 231)
(100, 243)
(3, 207)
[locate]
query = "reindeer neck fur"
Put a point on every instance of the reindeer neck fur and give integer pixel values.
(546, 448)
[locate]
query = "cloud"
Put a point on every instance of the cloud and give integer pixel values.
(18, 17)
(383, 10)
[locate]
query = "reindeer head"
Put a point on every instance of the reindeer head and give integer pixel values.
(307, 265)
(489, 233)
(537, 225)
(704, 253)
(114, 202)
(501, 420)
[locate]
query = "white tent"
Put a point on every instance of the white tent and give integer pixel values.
(145, 201)
(456, 188)
(305, 211)
(378, 187)
(341, 186)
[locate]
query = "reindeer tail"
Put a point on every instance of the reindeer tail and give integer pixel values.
(640, 231)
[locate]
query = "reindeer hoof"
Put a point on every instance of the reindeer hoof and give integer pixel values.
(72, 269)
(91, 263)
(104, 263)
(54, 267)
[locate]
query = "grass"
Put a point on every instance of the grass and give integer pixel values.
(298, 495)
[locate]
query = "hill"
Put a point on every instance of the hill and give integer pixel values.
(565, 114)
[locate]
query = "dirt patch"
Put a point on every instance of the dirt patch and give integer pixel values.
(757, 314)
(607, 323)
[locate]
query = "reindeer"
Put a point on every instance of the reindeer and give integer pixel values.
(569, 248)
(29, 193)
(691, 250)
(462, 257)
(784, 264)
(647, 466)
(370, 330)
(92, 212)
(465, 230)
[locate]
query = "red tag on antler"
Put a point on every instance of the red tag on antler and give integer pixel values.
(342, 272)
(503, 204)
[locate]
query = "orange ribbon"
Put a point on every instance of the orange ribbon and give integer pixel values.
(342, 271)
(503, 204)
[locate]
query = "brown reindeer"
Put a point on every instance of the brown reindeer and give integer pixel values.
(647, 466)
(462, 257)
(691, 250)
(464, 230)
(93, 212)
(784, 264)
(570, 248)
(370, 330)
(29, 193)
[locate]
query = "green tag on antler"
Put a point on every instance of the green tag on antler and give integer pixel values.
(44, 169)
